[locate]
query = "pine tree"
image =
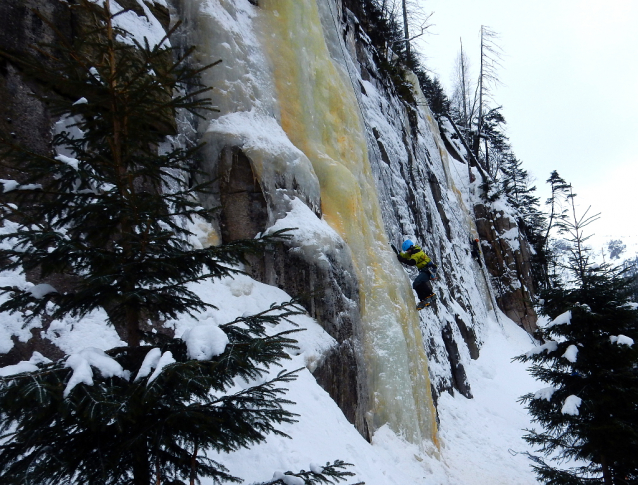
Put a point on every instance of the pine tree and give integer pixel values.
(631, 268)
(516, 183)
(589, 359)
(557, 218)
(435, 94)
(108, 209)
(496, 146)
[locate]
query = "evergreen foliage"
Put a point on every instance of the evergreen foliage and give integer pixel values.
(433, 91)
(631, 268)
(381, 23)
(557, 218)
(140, 430)
(108, 209)
(590, 360)
(616, 248)
(516, 183)
(496, 147)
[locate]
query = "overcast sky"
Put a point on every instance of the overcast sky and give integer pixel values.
(569, 94)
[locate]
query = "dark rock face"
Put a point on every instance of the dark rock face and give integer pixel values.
(329, 292)
(24, 114)
(21, 113)
(244, 212)
(330, 295)
(507, 260)
(459, 378)
(25, 117)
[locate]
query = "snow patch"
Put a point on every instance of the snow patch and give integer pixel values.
(19, 368)
(548, 347)
(288, 479)
(165, 359)
(562, 319)
(571, 353)
(312, 235)
(9, 185)
(571, 405)
(41, 290)
(82, 362)
(622, 340)
(205, 341)
(150, 362)
(545, 393)
(71, 162)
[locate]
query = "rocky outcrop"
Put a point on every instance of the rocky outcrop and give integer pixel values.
(327, 290)
(507, 258)
(416, 190)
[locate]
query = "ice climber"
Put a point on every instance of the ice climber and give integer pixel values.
(476, 251)
(413, 255)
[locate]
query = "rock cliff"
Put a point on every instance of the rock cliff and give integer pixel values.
(290, 128)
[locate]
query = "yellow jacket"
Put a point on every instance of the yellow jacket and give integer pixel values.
(415, 257)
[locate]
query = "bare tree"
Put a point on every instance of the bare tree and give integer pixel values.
(464, 94)
(491, 55)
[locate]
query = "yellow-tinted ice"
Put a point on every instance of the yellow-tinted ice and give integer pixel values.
(320, 115)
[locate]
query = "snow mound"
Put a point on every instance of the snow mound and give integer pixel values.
(82, 362)
(571, 353)
(165, 359)
(545, 393)
(622, 340)
(313, 236)
(548, 347)
(205, 341)
(562, 319)
(571, 405)
(150, 362)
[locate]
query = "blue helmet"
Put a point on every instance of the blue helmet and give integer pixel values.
(407, 244)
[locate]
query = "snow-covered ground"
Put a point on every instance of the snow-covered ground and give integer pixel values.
(480, 438)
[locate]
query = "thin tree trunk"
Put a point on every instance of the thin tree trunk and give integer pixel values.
(479, 126)
(406, 33)
(141, 465)
(487, 159)
(193, 476)
(463, 91)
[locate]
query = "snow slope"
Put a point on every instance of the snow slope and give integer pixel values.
(480, 438)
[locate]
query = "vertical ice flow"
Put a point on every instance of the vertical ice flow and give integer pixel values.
(320, 115)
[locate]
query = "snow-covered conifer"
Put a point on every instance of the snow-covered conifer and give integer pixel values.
(588, 430)
(106, 209)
